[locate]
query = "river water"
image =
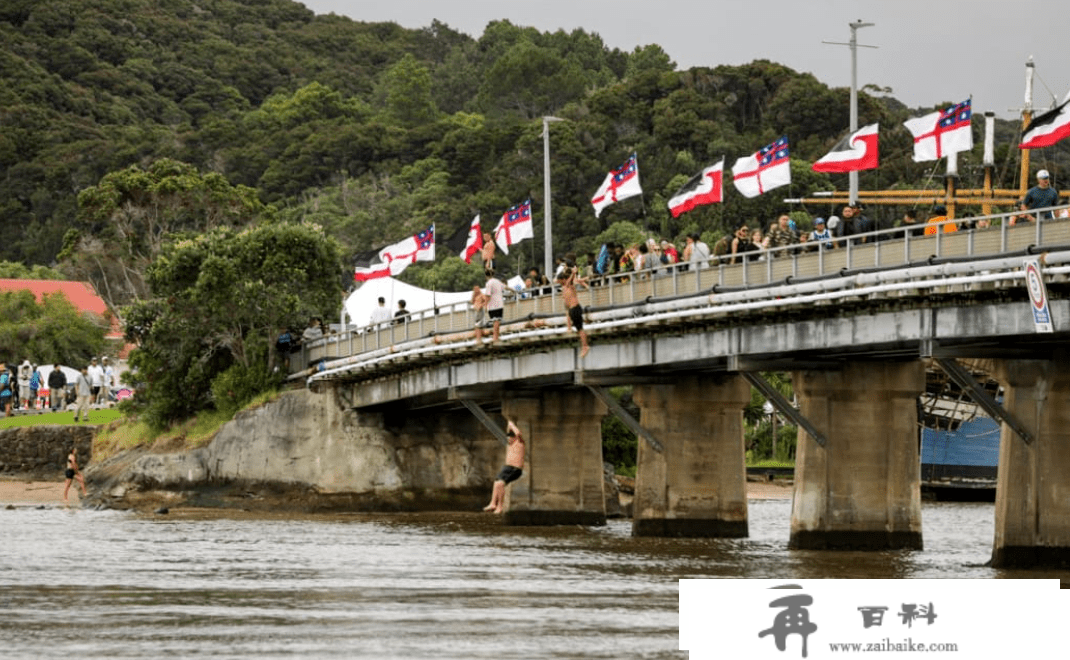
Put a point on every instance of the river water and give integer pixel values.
(108, 584)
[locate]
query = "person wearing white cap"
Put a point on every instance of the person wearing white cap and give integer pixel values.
(1040, 196)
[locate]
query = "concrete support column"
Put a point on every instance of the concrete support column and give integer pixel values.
(697, 485)
(861, 491)
(562, 482)
(1033, 485)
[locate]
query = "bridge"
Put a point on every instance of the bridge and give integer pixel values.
(858, 324)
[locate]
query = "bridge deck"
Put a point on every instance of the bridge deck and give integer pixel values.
(795, 264)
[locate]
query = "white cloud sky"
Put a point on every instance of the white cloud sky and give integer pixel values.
(928, 52)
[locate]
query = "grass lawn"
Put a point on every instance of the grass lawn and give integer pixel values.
(102, 416)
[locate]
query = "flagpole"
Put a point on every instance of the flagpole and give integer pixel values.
(548, 243)
(852, 177)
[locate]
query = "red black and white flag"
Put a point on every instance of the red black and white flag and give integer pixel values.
(467, 241)
(1048, 128)
(620, 183)
(704, 188)
(514, 226)
(364, 270)
(856, 152)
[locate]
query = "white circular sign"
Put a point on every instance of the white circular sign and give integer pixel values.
(1036, 285)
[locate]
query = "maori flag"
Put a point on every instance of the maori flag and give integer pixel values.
(856, 152)
(467, 241)
(1048, 128)
(938, 134)
(364, 270)
(703, 188)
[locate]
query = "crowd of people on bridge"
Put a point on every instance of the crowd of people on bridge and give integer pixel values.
(747, 242)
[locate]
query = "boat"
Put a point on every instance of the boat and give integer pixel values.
(959, 443)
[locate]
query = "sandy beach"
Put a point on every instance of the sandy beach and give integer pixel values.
(20, 492)
(15, 492)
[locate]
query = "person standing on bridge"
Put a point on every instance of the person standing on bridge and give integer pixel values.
(568, 280)
(511, 471)
(1040, 196)
(494, 295)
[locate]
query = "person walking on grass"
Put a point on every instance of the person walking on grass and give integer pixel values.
(73, 472)
(57, 387)
(84, 391)
(511, 471)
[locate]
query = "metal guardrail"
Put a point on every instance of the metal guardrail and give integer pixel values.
(882, 249)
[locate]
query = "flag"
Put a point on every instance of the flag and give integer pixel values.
(418, 247)
(703, 188)
(1048, 128)
(467, 240)
(857, 151)
(763, 170)
(620, 183)
(514, 226)
(940, 133)
(371, 273)
(601, 264)
(363, 268)
(516, 283)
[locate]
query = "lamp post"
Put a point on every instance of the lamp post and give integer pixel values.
(548, 244)
(852, 177)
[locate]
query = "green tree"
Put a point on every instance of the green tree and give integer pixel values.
(125, 221)
(48, 332)
(16, 271)
(408, 92)
(530, 81)
(219, 301)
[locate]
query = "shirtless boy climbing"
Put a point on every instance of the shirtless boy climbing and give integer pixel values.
(511, 471)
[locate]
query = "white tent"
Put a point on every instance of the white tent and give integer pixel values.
(360, 303)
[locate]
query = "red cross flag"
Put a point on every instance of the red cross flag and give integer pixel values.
(938, 134)
(620, 183)
(765, 169)
(514, 226)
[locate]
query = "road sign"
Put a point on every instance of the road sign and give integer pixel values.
(1038, 296)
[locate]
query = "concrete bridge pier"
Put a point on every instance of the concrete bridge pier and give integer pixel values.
(563, 482)
(862, 490)
(1033, 485)
(696, 486)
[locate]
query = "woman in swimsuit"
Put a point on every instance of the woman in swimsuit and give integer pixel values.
(73, 473)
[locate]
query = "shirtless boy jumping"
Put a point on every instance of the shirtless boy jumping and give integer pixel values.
(568, 279)
(511, 471)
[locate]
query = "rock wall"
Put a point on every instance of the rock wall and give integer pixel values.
(41, 451)
(307, 451)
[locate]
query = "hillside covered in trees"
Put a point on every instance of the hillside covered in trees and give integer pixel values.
(374, 131)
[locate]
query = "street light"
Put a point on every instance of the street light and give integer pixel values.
(852, 177)
(548, 245)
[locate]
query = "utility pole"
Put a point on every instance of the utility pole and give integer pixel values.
(548, 243)
(853, 45)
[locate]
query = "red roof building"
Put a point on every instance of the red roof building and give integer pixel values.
(81, 294)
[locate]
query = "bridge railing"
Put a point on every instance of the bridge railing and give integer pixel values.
(878, 249)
